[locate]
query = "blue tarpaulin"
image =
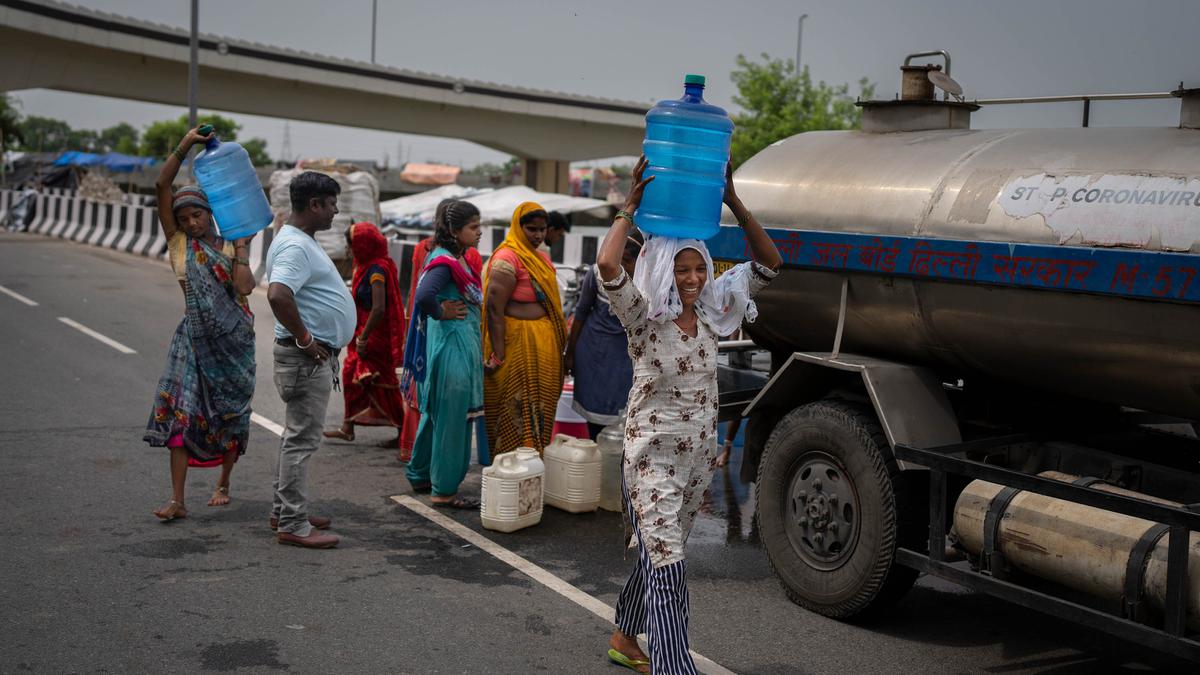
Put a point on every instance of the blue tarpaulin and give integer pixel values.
(73, 158)
(113, 161)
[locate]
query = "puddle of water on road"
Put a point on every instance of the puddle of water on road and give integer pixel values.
(726, 516)
(172, 549)
(240, 654)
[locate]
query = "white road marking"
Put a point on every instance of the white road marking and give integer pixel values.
(18, 296)
(266, 424)
(93, 334)
(535, 572)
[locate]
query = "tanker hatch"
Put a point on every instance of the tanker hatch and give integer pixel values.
(1189, 107)
(917, 107)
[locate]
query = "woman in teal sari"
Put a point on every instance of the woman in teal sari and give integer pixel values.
(201, 408)
(442, 363)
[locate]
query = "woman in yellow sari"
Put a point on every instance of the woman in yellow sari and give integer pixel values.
(524, 334)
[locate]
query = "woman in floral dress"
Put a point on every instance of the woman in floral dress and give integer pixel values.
(673, 312)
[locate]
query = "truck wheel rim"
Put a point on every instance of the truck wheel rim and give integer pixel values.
(821, 512)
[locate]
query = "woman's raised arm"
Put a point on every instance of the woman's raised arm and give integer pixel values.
(166, 178)
(609, 259)
(762, 249)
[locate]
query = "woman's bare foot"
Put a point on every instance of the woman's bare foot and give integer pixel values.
(628, 646)
(220, 496)
(344, 433)
(174, 510)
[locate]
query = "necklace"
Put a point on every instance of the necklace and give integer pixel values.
(689, 328)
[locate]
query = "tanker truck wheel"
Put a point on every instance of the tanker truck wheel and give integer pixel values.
(831, 504)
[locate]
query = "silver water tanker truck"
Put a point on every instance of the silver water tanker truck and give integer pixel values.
(985, 362)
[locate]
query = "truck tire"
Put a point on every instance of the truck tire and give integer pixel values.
(832, 505)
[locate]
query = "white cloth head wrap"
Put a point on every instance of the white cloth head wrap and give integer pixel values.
(724, 302)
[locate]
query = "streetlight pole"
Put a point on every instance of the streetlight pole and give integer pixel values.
(194, 64)
(374, 15)
(799, 35)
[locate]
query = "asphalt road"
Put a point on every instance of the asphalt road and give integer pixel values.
(91, 582)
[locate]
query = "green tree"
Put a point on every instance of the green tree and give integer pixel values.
(10, 124)
(44, 134)
(121, 138)
(83, 140)
(497, 173)
(778, 103)
(126, 145)
(257, 149)
(50, 135)
(161, 137)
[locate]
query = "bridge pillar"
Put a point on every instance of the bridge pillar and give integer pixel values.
(547, 175)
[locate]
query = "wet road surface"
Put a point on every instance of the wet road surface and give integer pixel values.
(91, 582)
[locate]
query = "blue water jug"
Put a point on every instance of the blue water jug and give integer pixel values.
(239, 205)
(687, 148)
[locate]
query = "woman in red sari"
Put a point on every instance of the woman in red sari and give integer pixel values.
(369, 382)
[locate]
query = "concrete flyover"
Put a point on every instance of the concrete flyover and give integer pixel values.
(54, 45)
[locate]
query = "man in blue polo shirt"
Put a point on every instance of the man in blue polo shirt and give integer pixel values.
(314, 319)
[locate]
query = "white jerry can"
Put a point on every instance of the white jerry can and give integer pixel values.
(512, 491)
(572, 474)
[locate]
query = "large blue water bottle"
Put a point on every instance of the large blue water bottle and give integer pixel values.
(687, 148)
(226, 174)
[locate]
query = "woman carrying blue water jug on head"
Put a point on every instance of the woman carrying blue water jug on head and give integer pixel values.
(673, 311)
(201, 408)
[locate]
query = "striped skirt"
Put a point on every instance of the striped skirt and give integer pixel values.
(521, 398)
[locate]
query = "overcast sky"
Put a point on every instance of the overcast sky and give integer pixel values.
(640, 49)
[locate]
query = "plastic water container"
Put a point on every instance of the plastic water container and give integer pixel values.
(687, 147)
(513, 491)
(566, 420)
(572, 474)
(611, 444)
(239, 205)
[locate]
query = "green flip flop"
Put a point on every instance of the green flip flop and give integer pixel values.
(622, 660)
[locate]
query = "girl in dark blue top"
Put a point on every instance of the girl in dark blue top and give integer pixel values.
(598, 344)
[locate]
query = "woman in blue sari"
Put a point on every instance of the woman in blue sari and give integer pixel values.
(201, 408)
(442, 362)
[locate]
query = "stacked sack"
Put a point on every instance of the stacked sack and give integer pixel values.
(358, 201)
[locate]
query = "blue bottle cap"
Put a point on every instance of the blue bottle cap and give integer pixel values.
(693, 79)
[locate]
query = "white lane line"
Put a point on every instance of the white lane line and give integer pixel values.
(93, 334)
(266, 424)
(17, 296)
(535, 572)
(538, 574)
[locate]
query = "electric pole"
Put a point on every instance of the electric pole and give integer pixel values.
(799, 36)
(374, 15)
(194, 64)
(286, 149)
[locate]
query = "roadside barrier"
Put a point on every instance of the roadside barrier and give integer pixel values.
(120, 227)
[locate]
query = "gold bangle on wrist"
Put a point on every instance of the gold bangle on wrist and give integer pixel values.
(626, 215)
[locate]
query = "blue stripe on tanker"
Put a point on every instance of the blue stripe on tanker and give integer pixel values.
(1125, 273)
